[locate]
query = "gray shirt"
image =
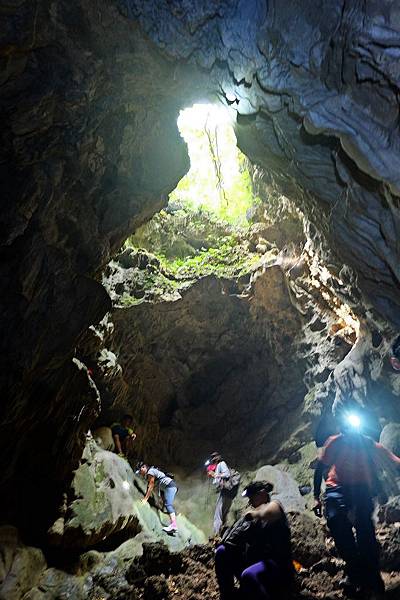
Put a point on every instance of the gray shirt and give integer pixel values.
(162, 480)
(221, 471)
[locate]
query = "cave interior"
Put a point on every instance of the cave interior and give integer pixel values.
(239, 317)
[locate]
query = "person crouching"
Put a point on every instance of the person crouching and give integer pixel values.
(165, 485)
(256, 550)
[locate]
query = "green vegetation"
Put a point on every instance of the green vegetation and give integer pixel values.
(204, 229)
(218, 180)
(229, 259)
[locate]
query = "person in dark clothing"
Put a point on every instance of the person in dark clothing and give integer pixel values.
(123, 435)
(353, 459)
(325, 429)
(256, 550)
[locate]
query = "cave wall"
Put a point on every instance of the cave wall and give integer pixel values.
(90, 93)
(89, 150)
(209, 370)
(317, 86)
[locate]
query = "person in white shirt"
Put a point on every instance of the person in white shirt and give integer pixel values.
(225, 497)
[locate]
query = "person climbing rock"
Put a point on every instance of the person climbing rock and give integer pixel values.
(123, 435)
(165, 486)
(353, 460)
(257, 550)
(225, 497)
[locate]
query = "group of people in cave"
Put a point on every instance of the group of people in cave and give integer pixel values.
(256, 550)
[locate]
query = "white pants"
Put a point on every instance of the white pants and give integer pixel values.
(224, 503)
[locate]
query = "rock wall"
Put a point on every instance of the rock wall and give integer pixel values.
(209, 369)
(89, 150)
(316, 87)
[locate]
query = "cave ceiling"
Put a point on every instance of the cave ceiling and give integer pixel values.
(90, 94)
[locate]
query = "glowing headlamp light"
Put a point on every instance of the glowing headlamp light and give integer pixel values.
(354, 420)
(207, 463)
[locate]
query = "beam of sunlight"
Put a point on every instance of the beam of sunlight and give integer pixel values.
(218, 180)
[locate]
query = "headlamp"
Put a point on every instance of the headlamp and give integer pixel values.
(353, 420)
(207, 463)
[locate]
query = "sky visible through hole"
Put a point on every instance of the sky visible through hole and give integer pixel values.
(218, 180)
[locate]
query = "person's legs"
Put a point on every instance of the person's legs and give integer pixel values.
(225, 569)
(367, 545)
(226, 505)
(336, 508)
(259, 581)
(169, 495)
(218, 514)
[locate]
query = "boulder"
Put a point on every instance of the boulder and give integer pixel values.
(56, 585)
(389, 541)
(308, 539)
(103, 496)
(286, 489)
(390, 512)
(103, 438)
(390, 437)
(105, 500)
(20, 566)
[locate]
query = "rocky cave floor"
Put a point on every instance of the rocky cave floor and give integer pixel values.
(160, 574)
(189, 575)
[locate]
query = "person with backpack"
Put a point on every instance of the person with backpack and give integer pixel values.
(166, 487)
(256, 550)
(352, 460)
(221, 476)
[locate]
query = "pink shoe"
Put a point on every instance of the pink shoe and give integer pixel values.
(170, 529)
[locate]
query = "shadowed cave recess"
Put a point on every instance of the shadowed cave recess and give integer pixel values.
(232, 320)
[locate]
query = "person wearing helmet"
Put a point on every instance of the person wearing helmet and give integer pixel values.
(256, 549)
(352, 460)
(165, 485)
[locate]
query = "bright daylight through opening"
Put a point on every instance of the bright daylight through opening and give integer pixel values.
(218, 180)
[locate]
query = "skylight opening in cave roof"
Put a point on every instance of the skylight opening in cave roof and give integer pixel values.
(218, 180)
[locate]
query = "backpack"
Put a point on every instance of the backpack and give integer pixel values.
(231, 483)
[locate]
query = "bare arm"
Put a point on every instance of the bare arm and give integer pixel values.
(318, 476)
(270, 512)
(150, 487)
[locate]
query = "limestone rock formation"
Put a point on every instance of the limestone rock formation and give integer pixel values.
(20, 565)
(105, 502)
(286, 489)
(209, 366)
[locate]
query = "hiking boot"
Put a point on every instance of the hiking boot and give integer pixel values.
(172, 529)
